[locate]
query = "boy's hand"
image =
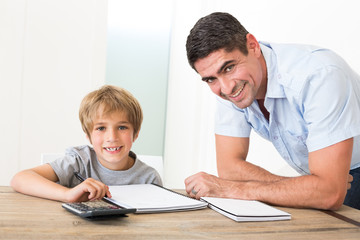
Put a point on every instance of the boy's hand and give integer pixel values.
(90, 189)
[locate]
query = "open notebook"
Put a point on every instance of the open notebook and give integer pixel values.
(150, 198)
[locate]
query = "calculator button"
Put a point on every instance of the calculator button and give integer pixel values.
(96, 208)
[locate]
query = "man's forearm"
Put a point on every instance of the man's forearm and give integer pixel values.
(304, 191)
(245, 171)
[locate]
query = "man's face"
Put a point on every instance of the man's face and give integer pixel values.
(233, 76)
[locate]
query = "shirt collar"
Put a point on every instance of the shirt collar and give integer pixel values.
(274, 89)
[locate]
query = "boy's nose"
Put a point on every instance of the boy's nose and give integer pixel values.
(111, 136)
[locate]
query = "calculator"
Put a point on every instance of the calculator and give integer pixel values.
(97, 209)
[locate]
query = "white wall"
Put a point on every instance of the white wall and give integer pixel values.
(189, 145)
(51, 54)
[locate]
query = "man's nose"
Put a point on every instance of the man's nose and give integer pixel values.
(226, 86)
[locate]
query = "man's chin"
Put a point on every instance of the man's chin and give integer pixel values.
(241, 105)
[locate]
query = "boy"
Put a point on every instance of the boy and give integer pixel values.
(111, 118)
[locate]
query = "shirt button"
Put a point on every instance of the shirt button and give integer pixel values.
(276, 138)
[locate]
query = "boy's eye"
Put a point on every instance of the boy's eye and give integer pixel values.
(100, 128)
(122, 127)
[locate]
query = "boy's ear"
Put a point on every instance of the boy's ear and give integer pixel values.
(136, 136)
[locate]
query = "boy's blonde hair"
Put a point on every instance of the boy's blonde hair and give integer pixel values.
(109, 99)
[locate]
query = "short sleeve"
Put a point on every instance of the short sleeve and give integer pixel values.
(64, 169)
(331, 108)
(230, 120)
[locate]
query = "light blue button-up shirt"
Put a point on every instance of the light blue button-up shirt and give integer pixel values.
(313, 98)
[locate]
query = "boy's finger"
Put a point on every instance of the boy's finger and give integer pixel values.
(108, 194)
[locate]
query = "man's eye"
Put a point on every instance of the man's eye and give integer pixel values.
(228, 69)
(209, 80)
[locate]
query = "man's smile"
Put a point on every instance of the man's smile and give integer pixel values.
(238, 92)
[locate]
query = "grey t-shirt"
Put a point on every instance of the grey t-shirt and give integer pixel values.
(83, 159)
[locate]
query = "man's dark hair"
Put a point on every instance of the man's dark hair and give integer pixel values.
(213, 32)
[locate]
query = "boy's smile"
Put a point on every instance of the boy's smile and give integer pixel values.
(112, 137)
(112, 149)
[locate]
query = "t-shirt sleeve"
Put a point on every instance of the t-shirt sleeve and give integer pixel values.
(157, 179)
(142, 173)
(64, 169)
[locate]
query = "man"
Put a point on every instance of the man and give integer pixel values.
(304, 99)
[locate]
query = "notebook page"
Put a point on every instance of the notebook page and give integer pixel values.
(149, 196)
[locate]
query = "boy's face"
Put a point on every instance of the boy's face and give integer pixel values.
(112, 137)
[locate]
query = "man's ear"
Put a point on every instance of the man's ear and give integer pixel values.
(253, 45)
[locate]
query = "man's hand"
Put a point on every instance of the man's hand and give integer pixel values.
(350, 179)
(205, 185)
(90, 189)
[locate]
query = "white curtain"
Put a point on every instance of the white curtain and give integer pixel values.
(189, 138)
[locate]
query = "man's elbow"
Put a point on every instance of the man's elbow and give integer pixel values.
(334, 201)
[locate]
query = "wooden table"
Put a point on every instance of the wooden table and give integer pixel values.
(26, 217)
